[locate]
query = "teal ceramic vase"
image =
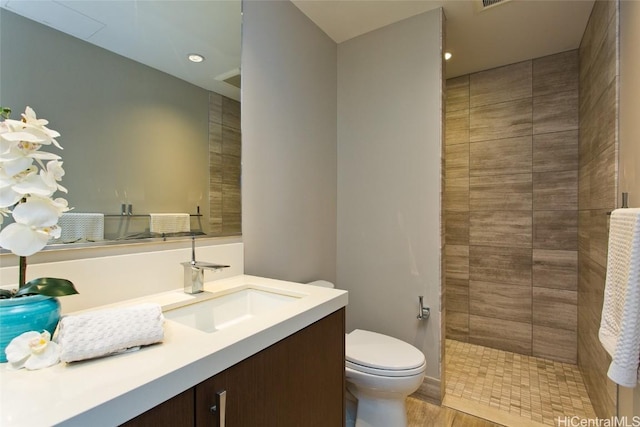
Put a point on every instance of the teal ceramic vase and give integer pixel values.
(24, 314)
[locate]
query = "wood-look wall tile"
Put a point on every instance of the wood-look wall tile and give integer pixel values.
(602, 183)
(555, 344)
(501, 192)
(457, 228)
(231, 113)
(501, 84)
(500, 228)
(456, 159)
(598, 124)
(501, 157)
(555, 308)
(457, 325)
(457, 94)
(457, 262)
(456, 194)
(497, 121)
(555, 113)
(598, 236)
(555, 230)
(457, 295)
(555, 190)
(231, 142)
(513, 336)
(500, 265)
(584, 186)
(556, 73)
(584, 236)
(500, 301)
(556, 151)
(215, 108)
(457, 127)
(555, 269)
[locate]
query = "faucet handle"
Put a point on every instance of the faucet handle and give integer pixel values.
(207, 265)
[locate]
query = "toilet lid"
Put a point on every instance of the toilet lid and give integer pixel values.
(376, 352)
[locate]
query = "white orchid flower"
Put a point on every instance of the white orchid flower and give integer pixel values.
(37, 127)
(4, 212)
(35, 224)
(32, 350)
(9, 196)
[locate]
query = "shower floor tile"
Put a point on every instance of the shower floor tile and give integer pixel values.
(513, 389)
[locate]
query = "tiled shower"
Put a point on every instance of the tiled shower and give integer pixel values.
(530, 173)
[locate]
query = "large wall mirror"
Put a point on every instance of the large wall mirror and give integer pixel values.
(151, 140)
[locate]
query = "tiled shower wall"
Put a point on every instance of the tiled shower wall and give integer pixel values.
(599, 78)
(511, 207)
(225, 141)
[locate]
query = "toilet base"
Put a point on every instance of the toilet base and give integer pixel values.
(381, 412)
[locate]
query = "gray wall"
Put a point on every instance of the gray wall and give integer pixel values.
(389, 178)
(131, 134)
(289, 144)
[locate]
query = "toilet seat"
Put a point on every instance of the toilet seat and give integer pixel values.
(382, 355)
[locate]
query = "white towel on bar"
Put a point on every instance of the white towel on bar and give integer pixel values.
(620, 323)
(170, 223)
(104, 332)
(76, 226)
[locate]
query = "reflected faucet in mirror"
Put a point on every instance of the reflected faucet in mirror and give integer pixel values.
(194, 271)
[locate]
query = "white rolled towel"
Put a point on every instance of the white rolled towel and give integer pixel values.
(104, 332)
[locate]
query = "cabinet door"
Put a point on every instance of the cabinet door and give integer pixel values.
(175, 412)
(298, 381)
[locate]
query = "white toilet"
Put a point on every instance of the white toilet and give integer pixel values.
(381, 371)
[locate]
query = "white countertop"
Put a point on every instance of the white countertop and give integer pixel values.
(114, 389)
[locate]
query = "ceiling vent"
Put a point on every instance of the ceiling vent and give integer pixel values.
(482, 5)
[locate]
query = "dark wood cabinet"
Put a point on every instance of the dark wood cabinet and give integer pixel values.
(298, 381)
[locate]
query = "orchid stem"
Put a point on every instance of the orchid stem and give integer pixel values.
(23, 271)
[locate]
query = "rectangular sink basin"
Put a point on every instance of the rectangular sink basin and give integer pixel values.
(227, 310)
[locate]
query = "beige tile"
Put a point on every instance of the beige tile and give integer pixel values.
(555, 113)
(456, 194)
(215, 108)
(457, 325)
(500, 228)
(555, 269)
(457, 228)
(598, 236)
(555, 230)
(500, 192)
(231, 142)
(555, 308)
(507, 83)
(500, 157)
(457, 127)
(500, 301)
(555, 190)
(231, 113)
(556, 151)
(584, 186)
(457, 262)
(500, 265)
(598, 125)
(556, 73)
(602, 183)
(555, 344)
(513, 336)
(457, 94)
(497, 121)
(457, 295)
(456, 161)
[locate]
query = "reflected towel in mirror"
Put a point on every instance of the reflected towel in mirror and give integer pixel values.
(77, 227)
(169, 223)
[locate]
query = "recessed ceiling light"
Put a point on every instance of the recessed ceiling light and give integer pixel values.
(194, 57)
(447, 56)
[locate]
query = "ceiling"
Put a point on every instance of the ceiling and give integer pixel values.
(509, 32)
(162, 33)
(159, 34)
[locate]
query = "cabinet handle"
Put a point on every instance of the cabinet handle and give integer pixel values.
(220, 407)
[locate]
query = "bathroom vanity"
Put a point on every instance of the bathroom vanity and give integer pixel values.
(281, 366)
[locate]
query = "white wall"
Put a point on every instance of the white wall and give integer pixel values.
(629, 154)
(288, 144)
(389, 166)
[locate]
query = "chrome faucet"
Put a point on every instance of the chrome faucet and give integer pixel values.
(194, 271)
